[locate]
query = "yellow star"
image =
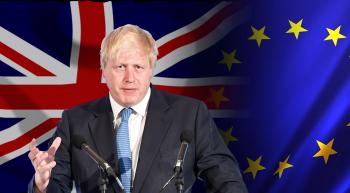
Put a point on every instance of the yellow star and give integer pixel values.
(325, 150)
(229, 59)
(254, 166)
(348, 124)
(227, 136)
(334, 35)
(282, 166)
(217, 97)
(296, 28)
(258, 35)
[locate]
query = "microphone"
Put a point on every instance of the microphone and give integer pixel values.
(80, 143)
(185, 138)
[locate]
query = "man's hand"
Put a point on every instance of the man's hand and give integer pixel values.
(43, 162)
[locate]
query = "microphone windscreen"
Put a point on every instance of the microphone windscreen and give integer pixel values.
(186, 136)
(78, 141)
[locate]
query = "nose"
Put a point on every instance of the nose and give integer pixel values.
(129, 75)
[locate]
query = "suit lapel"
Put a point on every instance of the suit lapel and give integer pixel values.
(156, 127)
(101, 129)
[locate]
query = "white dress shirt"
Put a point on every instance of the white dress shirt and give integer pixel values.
(136, 125)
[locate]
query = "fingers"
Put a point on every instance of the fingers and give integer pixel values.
(33, 153)
(40, 159)
(43, 158)
(32, 144)
(55, 145)
(43, 162)
(33, 150)
(46, 167)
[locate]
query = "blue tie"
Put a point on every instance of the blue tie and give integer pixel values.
(123, 150)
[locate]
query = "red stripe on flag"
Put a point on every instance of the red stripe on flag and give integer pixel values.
(93, 30)
(48, 96)
(27, 137)
(199, 32)
(23, 61)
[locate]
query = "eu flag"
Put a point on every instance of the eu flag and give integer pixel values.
(297, 139)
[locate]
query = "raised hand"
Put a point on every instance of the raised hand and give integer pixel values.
(43, 162)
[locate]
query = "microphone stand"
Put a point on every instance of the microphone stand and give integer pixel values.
(179, 182)
(105, 173)
(105, 170)
(103, 179)
(166, 184)
(178, 174)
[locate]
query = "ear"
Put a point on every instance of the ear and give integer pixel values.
(103, 69)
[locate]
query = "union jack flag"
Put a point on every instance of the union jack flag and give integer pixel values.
(50, 62)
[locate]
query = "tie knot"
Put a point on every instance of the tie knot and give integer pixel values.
(126, 112)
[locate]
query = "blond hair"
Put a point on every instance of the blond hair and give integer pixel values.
(111, 43)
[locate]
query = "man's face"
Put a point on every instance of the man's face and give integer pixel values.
(129, 74)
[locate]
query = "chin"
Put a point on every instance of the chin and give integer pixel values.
(129, 102)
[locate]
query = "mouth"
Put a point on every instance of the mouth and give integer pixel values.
(128, 89)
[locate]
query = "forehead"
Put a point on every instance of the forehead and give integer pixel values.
(130, 54)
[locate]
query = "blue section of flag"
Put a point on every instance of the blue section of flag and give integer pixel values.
(47, 26)
(159, 18)
(300, 93)
(8, 122)
(207, 63)
(6, 70)
(16, 174)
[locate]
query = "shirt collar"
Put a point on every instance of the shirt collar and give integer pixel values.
(139, 108)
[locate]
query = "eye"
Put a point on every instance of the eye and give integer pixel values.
(119, 67)
(139, 67)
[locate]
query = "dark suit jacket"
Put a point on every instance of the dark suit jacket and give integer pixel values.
(167, 116)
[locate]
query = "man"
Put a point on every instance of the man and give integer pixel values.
(152, 121)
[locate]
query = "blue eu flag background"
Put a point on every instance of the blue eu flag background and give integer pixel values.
(297, 139)
(275, 76)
